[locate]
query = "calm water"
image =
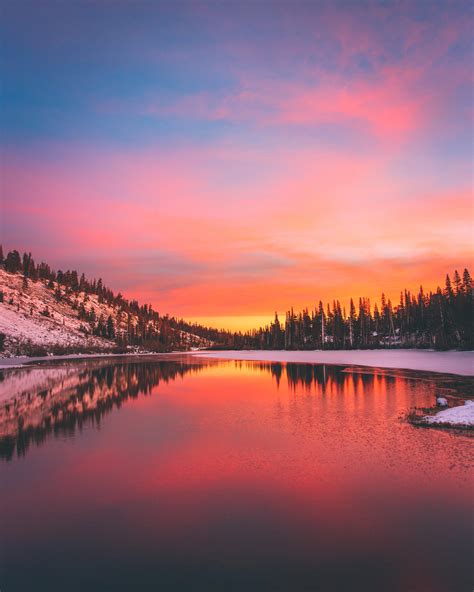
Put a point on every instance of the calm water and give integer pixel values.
(228, 476)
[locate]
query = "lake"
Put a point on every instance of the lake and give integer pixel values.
(188, 474)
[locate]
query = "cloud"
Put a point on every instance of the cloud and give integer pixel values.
(245, 159)
(379, 75)
(323, 225)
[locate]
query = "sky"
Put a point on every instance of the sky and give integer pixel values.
(225, 160)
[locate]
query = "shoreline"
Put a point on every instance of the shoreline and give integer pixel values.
(460, 417)
(460, 363)
(454, 364)
(26, 361)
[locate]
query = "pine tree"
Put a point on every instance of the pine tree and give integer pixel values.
(448, 291)
(13, 262)
(376, 319)
(466, 283)
(321, 316)
(110, 328)
(457, 282)
(101, 329)
(352, 320)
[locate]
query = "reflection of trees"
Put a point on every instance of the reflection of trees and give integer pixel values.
(85, 397)
(59, 400)
(328, 378)
(322, 377)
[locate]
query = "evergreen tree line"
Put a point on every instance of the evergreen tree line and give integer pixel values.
(441, 319)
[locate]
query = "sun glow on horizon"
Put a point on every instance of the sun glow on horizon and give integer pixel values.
(234, 322)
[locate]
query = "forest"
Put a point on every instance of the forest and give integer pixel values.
(440, 319)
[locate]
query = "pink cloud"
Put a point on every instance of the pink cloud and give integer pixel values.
(324, 225)
(403, 92)
(394, 104)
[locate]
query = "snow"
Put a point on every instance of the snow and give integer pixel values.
(27, 361)
(23, 323)
(441, 402)
(450, 362)
(456, 416)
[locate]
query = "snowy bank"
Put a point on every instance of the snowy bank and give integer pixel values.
(450, 362)
(462, 416)
(22, 361)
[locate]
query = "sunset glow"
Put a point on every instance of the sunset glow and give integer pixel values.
(223, 161)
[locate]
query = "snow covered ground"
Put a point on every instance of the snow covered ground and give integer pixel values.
(21, 361)
(463, 415)
(24, 323)
(32, 319)
(450, 362)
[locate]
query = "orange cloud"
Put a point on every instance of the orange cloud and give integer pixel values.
(323, 225)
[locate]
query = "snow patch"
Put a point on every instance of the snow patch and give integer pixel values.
(31, 316)
(450, 362)
(456, 416)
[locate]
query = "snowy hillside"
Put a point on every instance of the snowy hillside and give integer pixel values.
(32, 318)
(36, 319)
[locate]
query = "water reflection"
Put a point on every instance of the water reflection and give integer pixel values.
(323, 378)
(212, 475)
(58, 401)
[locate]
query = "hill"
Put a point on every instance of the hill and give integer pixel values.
(42, 315)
